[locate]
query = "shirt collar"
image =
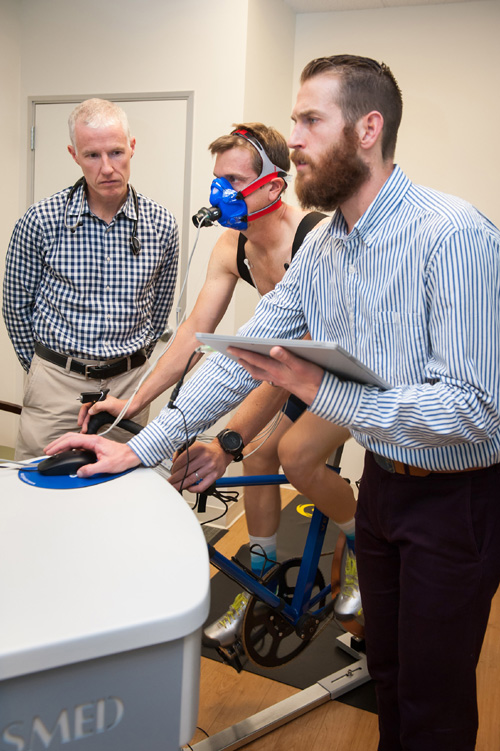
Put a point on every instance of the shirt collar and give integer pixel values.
(384, 203)
(127, 208)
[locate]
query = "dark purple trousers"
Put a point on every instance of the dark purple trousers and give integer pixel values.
(428, 553)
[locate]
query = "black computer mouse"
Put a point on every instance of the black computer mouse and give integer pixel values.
(66, 462)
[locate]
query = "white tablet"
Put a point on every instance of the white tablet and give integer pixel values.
(328, 355)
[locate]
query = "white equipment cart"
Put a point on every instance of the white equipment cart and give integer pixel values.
(104, 588)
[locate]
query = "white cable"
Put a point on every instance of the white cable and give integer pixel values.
(178, 307)
(265, 434)
(14, 464)
(249, 267)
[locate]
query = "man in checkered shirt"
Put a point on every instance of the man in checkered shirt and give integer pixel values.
(89, 281)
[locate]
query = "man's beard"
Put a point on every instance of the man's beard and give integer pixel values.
(336, 178)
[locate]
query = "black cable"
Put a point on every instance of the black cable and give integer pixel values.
(180, 382)
(185, 447)
(258, 550)
(171, 405)
(224, 498)
(201, 731)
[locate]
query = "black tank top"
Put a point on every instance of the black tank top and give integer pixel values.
(306, 225)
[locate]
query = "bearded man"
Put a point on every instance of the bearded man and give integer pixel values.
(408, 280)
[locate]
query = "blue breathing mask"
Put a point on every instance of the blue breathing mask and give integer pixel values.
(230, 203)
(228, 206)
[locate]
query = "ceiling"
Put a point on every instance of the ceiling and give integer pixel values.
(321, 6)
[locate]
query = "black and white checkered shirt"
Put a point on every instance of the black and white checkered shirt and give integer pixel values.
(84, 293)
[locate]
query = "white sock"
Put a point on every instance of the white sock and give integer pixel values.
(348, 529)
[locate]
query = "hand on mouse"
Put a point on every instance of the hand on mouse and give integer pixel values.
(112, 457)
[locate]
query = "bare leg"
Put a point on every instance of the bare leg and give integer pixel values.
(303, 451)
(262, 510)
(263, 502)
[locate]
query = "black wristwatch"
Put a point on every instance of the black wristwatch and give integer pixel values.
(232, 443)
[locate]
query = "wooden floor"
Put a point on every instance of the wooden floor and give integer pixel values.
(227, 697)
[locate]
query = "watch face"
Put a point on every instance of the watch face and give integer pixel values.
(232, 441)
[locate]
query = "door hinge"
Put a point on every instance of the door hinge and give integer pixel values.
(32, 144)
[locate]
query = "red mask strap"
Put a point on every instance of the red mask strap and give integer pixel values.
(268, 210)
(258, 184)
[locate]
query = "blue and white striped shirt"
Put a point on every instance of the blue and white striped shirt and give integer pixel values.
(84, 293)
(414, 292)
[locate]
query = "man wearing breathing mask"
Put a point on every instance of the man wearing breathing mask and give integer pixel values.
(262, 235)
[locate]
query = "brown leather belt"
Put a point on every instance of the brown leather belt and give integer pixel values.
(108, 370)
(399, 468)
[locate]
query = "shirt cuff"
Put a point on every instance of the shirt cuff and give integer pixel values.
(338, 401)
(151, 445)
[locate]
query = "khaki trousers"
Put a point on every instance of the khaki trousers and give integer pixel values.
(51, 404)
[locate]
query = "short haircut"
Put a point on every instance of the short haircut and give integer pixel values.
(97, 113)
(273, 143)
(365, 85)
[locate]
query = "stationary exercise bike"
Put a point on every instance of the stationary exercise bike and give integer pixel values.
(291, 603)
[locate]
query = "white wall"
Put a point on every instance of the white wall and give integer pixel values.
(446, 59)
(268, 93)
(11, 139)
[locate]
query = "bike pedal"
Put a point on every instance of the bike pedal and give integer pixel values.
(231, 655)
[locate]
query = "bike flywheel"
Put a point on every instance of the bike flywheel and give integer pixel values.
(268, 638)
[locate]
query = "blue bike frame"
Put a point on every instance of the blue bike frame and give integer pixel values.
(301, 601)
